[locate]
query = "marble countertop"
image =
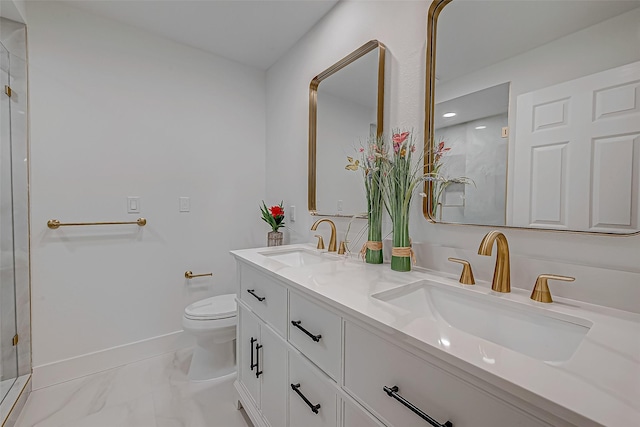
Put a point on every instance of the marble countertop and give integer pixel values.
(600, 383)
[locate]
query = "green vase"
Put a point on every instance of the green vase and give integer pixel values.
(401, 240)
(374, 218)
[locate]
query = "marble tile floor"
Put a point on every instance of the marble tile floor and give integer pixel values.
(154, 392)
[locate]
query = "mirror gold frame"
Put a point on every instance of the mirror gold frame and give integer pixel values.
(313, 109)
(432, 17)
(432, 29)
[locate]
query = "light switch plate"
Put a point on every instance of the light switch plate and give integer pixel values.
(184, 203)
(133, 204)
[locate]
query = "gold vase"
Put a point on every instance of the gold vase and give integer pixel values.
(274, 238)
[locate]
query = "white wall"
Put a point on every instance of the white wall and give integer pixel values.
(606, 268)
(397, 24)
(117, 112)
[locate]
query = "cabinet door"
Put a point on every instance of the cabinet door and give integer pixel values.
(273, 363)
(248, 339)
(312, 385)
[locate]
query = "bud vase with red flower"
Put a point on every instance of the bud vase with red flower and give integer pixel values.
(274, 216)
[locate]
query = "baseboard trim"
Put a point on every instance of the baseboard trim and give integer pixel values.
(91, 363)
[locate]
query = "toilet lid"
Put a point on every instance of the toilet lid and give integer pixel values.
(220, 307)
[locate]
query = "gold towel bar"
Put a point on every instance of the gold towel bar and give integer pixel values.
(190, 275)
(54, 223)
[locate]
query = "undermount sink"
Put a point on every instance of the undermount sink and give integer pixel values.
(546, 336)
(297, 257)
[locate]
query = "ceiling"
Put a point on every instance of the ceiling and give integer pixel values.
(252, 32)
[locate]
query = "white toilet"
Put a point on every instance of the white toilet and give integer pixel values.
(213, 322)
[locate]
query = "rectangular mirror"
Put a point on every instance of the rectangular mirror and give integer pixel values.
(345, 108)
(533, 114)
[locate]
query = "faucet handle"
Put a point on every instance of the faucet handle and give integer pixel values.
(541, 291)
(466, 278)
(342, 249)
(320, 242)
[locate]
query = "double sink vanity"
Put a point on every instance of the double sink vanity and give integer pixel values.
(327, 340)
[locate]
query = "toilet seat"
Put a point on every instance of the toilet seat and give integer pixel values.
(213, 308)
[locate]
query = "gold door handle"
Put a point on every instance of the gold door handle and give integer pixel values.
(320, 242)
(541, 291)
(466, 278)
(190, 275)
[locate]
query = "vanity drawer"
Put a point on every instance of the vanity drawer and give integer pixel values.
(321, 342)
(266, 297)
(372, 363)
(314, 386)
(354, 416)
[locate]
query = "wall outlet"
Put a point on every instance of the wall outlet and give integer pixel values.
(292, 213)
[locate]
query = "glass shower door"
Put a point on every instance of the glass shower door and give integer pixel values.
(8, 349)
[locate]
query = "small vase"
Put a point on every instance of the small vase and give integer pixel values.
(401, 253)
(274, 238)
(373, 246)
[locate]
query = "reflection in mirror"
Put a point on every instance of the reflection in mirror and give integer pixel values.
(472, 146)
(345, 109)
(555, 143)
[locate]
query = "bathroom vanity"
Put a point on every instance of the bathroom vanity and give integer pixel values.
(326, 340)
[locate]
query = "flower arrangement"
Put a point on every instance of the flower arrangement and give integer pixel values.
(274, 216)
(400, 176)
(370, 162)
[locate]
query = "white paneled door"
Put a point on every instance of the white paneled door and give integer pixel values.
(577, 151)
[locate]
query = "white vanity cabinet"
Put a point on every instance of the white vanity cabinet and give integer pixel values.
(303, 363)
(262, 368)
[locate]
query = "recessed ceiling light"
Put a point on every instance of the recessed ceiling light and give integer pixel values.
(481, 127)
(448, 114)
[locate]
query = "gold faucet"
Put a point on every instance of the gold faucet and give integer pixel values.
(501, 275)
(332, 241)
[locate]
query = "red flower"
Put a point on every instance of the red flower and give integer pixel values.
(276, 211)
(399, 138)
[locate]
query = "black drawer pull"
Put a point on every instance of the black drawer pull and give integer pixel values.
(297, 323)
(253, 365)
(393, 392)
(314, 408)
(258, 371)
(252, 292)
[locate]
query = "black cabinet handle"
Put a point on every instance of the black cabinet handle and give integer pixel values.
(253, 365)
(258, 371)
(252, 292)
(314, 408)
(393, 392)
(297, 323)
